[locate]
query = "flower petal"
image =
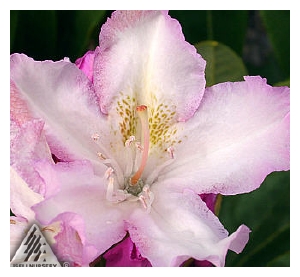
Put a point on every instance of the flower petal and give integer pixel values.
(22, 198)
(86, 64)
(18, 230)
(150, 63)
(210, 200)
(238, 136)
(61, 95)
(70, 243)
(180, 226)
(84, 194)
(125, 254)
(28, 145)
(18, 108)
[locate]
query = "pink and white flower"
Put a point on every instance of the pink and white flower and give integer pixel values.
(136, 139)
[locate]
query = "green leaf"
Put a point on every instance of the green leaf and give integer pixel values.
(280, 261)
(223, 64)
(78, 31)
(13, 26)
(277, 24)
(228, 27)
(266, 211)
(285, 83)
(85, 22)
(35, 33)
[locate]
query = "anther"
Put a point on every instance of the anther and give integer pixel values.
(146, 197)
(139, 146)
(101, 156)
(129, 141)
(110, 189)
(95, 137)
(171, 151)
(143, 115)
(143, 200)
(108, 172)
(112, 194)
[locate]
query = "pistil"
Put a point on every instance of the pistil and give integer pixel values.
(143, 116)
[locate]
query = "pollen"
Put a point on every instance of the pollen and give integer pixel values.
(161, 117)
(161, 125)
(95, 137)
(126, 109)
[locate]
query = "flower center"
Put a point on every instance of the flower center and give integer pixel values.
(134, 185)
(128, 183)
(134, 188)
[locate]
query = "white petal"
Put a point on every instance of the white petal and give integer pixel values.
(83, 193)
(22, 198)
(180, 226)
(238, 136)
(61, 95)
(143, 54)
(18, 230)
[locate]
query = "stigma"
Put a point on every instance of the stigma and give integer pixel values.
(134, 188)
(143, 116)
(131, 183)
(134, 184)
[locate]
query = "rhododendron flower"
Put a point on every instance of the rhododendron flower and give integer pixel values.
(136, 138)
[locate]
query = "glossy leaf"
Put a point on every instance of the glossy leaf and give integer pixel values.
(266, 212)
(13, 25)
(35, 33)
(223, 64)
(277, 24)
(283, 83)
(85, 22)
(226, 26)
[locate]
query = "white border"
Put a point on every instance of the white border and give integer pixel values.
(155, 4)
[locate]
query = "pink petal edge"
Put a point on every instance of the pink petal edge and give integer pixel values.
(123, 39)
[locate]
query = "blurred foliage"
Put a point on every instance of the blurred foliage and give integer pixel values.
(266, 211)
(222, 63)
(277, 24)
(234, 43)
(210, 25)
(34, 32)
(55, 34)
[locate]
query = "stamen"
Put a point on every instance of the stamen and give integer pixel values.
(129, 141)
(143, 115)
(108, 172)
(110, 189)
(146, 197)
(101, 156)
(154, 174)
(139, 146)
(95, 137)
(104, 157)
(142, 198)
(171, 151)
(113, 195)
